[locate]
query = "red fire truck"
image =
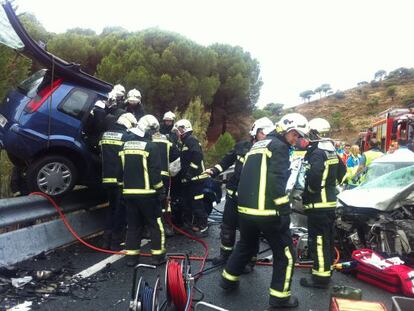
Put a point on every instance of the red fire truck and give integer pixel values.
(393, 125)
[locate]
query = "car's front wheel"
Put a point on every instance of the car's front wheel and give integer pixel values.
(54, 175)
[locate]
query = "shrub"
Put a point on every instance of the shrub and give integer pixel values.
(223, 145)
(339, 94)
(5, 173)
(336, 120)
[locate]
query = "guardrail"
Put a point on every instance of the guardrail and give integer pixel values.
(85, 210)
(33, 227)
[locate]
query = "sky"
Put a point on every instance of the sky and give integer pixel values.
(300, 44)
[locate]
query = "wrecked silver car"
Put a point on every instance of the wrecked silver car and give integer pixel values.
(379, 213)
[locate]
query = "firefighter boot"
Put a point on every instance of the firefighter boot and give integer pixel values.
(316, 282)
(222, 258)
(106, 239)
(200, 227)
(291, 302)
(228, 285)
(228, 237)
(116, 241)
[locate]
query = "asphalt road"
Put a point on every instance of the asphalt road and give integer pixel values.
(109, 288)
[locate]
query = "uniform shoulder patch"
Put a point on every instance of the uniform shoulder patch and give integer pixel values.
(135, 144)
(262, 144)
(112, 135)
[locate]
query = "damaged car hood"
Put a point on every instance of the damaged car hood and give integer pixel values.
(389, 185)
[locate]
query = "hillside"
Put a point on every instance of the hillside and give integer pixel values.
(359, 106)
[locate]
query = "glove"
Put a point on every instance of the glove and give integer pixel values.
(213, 172)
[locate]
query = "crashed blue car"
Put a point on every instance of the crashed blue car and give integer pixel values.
(43, 122)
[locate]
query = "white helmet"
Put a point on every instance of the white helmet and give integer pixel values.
(134, 97)
(293, 121)
(169, 115)
(265, 124)
(119, 91)
(184, 124)
(128, 120)
(320, 125)
(147, 123)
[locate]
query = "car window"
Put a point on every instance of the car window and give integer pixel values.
(76, 103)
(7, 34)
(32, 85)
(399, 178)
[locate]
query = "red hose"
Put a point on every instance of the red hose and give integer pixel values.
(176, 286)
(107, 251)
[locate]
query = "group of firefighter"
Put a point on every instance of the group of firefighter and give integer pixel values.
(138, 153)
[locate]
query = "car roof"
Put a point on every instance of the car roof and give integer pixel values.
(401, 155)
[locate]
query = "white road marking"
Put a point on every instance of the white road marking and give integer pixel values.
(25, 306)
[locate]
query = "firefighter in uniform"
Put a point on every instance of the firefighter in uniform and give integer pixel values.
(111, 144)
(326, 170)
(143, 190)
(166, 155)
(133, 104)
(264, 208)
(192, 179)
(230, 216)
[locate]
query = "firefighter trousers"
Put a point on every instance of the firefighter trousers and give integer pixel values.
(116, 214)
(194, 211)
(276, 231)
(144, 211)
(321, 241)
(230, 224)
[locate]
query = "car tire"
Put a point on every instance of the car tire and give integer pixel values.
(54, 175)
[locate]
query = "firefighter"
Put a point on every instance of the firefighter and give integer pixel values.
(230, 216)
(166, 153)
(143, 190)
(133, 103)
(192, 179)
(167, 123)
(326, 170)
(264, 208)
(111, 144)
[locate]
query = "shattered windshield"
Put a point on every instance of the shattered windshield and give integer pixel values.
(8, 36)
(398, 178)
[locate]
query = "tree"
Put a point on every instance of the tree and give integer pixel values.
(274, 109)
(306, 95)
(362, 83)
(319, 91)
(391, 92)
(325, 88)
(223, 145)
(240, 83)
(380, 74)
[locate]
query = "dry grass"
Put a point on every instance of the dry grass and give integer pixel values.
(5, 172)
(355, 112)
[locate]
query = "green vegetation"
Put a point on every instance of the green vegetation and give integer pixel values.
(216, 152)
(5, 171)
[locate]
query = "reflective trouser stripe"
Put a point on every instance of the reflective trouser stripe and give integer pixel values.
(132, 251)
(322, 274)
(230, 277)
(278, 294)
(289, 268)
(138, 191)
(162, 250)
(199, 197)
(226, 248)
(319, 253)
(109, 180)
(159, 185)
